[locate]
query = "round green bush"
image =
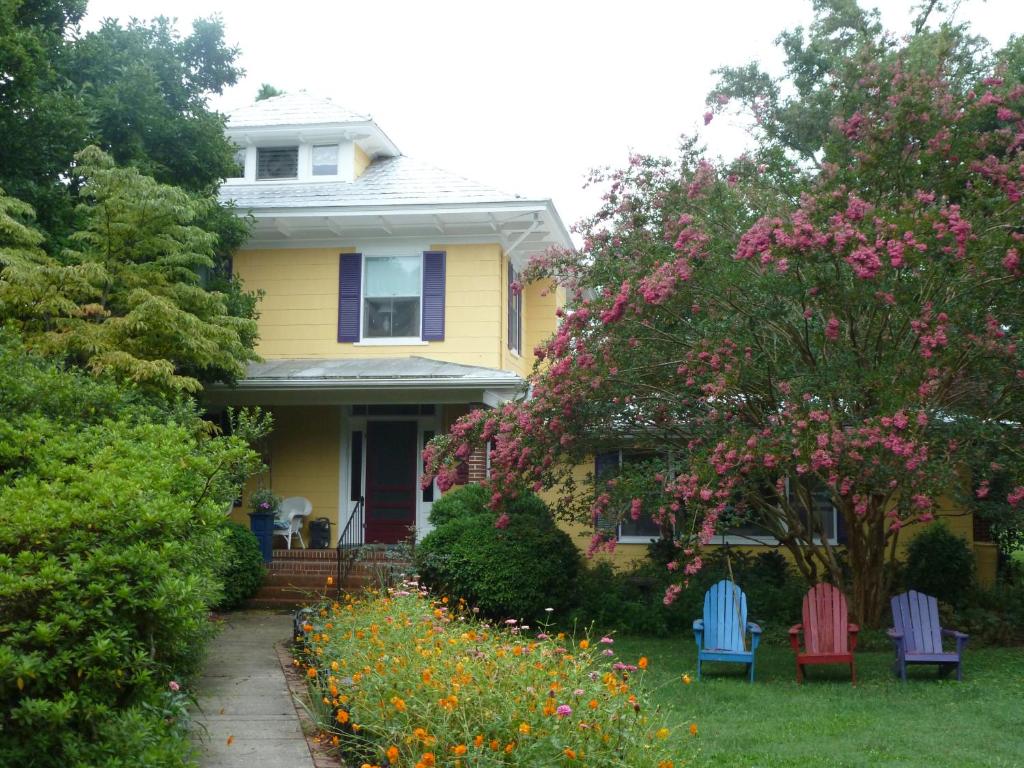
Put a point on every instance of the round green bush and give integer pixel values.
(940, 563)
(242, 570)
(511, 572)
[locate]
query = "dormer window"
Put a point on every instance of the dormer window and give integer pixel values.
(325, 160)
(277, 163)
(238, 172)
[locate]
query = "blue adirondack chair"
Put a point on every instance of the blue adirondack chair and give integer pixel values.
(722, 633)
(917, 635)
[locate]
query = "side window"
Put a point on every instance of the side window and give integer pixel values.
(515, 311)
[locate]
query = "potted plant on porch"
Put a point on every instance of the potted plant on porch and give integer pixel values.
(264, 504)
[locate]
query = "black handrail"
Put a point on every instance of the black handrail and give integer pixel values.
(349, 541)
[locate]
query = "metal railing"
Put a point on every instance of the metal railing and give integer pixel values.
(349, 542)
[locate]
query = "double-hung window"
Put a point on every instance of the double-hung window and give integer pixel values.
(515, 311)
(391, 297)
(823, 513)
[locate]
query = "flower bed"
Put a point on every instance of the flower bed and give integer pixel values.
(401, 679)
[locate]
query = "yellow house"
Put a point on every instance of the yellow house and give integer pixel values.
(387, 311)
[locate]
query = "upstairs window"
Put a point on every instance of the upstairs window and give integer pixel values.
(515, 311)
(238, 171)
(277, 163)
(391, 298)
(325, 160)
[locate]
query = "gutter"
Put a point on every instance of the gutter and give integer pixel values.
(257, 385)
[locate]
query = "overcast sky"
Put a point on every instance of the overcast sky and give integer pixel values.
(526, 96)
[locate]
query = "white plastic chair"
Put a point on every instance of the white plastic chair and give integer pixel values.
(290, 516)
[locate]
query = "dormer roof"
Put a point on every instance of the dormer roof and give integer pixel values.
(298, 109)
(301, 115)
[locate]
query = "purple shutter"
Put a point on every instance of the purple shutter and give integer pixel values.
(350, 280)
(433, 296)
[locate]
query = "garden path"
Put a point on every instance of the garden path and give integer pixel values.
(247, 716)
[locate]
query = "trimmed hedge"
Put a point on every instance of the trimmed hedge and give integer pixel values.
(242, 572)
(516, 571)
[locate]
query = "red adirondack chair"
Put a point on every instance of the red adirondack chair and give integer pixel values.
(828, 636)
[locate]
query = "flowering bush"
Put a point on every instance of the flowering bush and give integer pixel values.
(263, 500)
(832, 320)
(401, 679)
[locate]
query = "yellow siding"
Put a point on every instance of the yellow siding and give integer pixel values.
(539, 320)
(304, 460)
(299, 312)
(362, 162)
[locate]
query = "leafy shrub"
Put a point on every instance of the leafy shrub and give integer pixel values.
(515, 571)
(940, 563)
(991, 616)
(466, 693)
(242, 570)
(109, 554)
(631, 601)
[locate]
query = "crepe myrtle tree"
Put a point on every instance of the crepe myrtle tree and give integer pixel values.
(845, 321)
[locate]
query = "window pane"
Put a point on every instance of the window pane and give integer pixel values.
(325, 160)
(821, 505)
(277, 163)
(391, 317)
(239, 170)
(393, 276)
(643, 527)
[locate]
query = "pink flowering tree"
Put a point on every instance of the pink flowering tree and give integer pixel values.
(833, 318)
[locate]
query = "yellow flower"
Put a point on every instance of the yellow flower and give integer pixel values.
(524, 728)
(666, 764)
(662, 733)
(687, 679)
(330, 581)
(334, 666)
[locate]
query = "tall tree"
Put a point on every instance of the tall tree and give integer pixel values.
(126, 299)
(835, 316)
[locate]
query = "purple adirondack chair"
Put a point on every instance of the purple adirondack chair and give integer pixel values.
(917, 635)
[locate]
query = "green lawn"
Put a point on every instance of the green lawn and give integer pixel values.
(826, 722)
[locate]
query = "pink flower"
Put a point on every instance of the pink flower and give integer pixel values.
(174, 686)
(708, 116)
(502, 522)
(564, 710)
(606, 640)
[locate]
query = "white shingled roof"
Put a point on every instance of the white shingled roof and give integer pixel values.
(388, 181)
(299, 108)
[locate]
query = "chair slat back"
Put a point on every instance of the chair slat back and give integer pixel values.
(725, 617)
(916, 615)
(826, 619)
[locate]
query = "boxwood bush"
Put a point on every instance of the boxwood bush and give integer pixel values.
(242, 569)
(110, 550)
(511, 572)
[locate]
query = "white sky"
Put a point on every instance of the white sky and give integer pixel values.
(526, 95)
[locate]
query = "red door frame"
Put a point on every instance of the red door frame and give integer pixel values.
(387, 435)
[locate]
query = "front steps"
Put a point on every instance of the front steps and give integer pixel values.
(298, 577)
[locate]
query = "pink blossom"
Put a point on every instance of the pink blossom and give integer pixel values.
(564, 710)
(502, 521)
(673, 590)
(174, 686)
(708, 116)
(832, 329)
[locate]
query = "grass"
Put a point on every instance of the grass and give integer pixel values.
(827, 722)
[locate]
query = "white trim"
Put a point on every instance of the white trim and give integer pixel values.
(391, 341)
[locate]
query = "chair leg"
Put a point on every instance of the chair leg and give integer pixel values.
(698, 668)
(959, 672)
(799, 674)
(289, 541)
(301, 541)
(751, 668)
(853, 673)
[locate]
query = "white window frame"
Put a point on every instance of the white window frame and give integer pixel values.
(388, 341)
(517, 350)
(630, 539)
(337, 161)
(298, 163)
(771, 541)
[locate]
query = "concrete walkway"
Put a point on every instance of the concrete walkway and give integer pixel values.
(245, 700)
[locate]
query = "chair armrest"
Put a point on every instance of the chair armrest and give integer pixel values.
(851, 631)
(698, 625)
(894, 634)
(755, 635)
(796, 629)
(954, 633)
(794, 637)
(753, 628)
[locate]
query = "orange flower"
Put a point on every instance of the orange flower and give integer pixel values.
(666, 764)
(584, 644)
(693, 729)
(398, 703)
(569, 753)
(478, 741)
(311, 672)
(642, 663)
(524, 728)
(427, 758)
(687, 679)
(231, 740)
(494, 745)
(509, 747)
(392, 754)
(330, 581)
(342, 716)
(459, 750)
(592, 703)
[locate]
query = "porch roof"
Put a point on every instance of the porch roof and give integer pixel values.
(391, 379)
